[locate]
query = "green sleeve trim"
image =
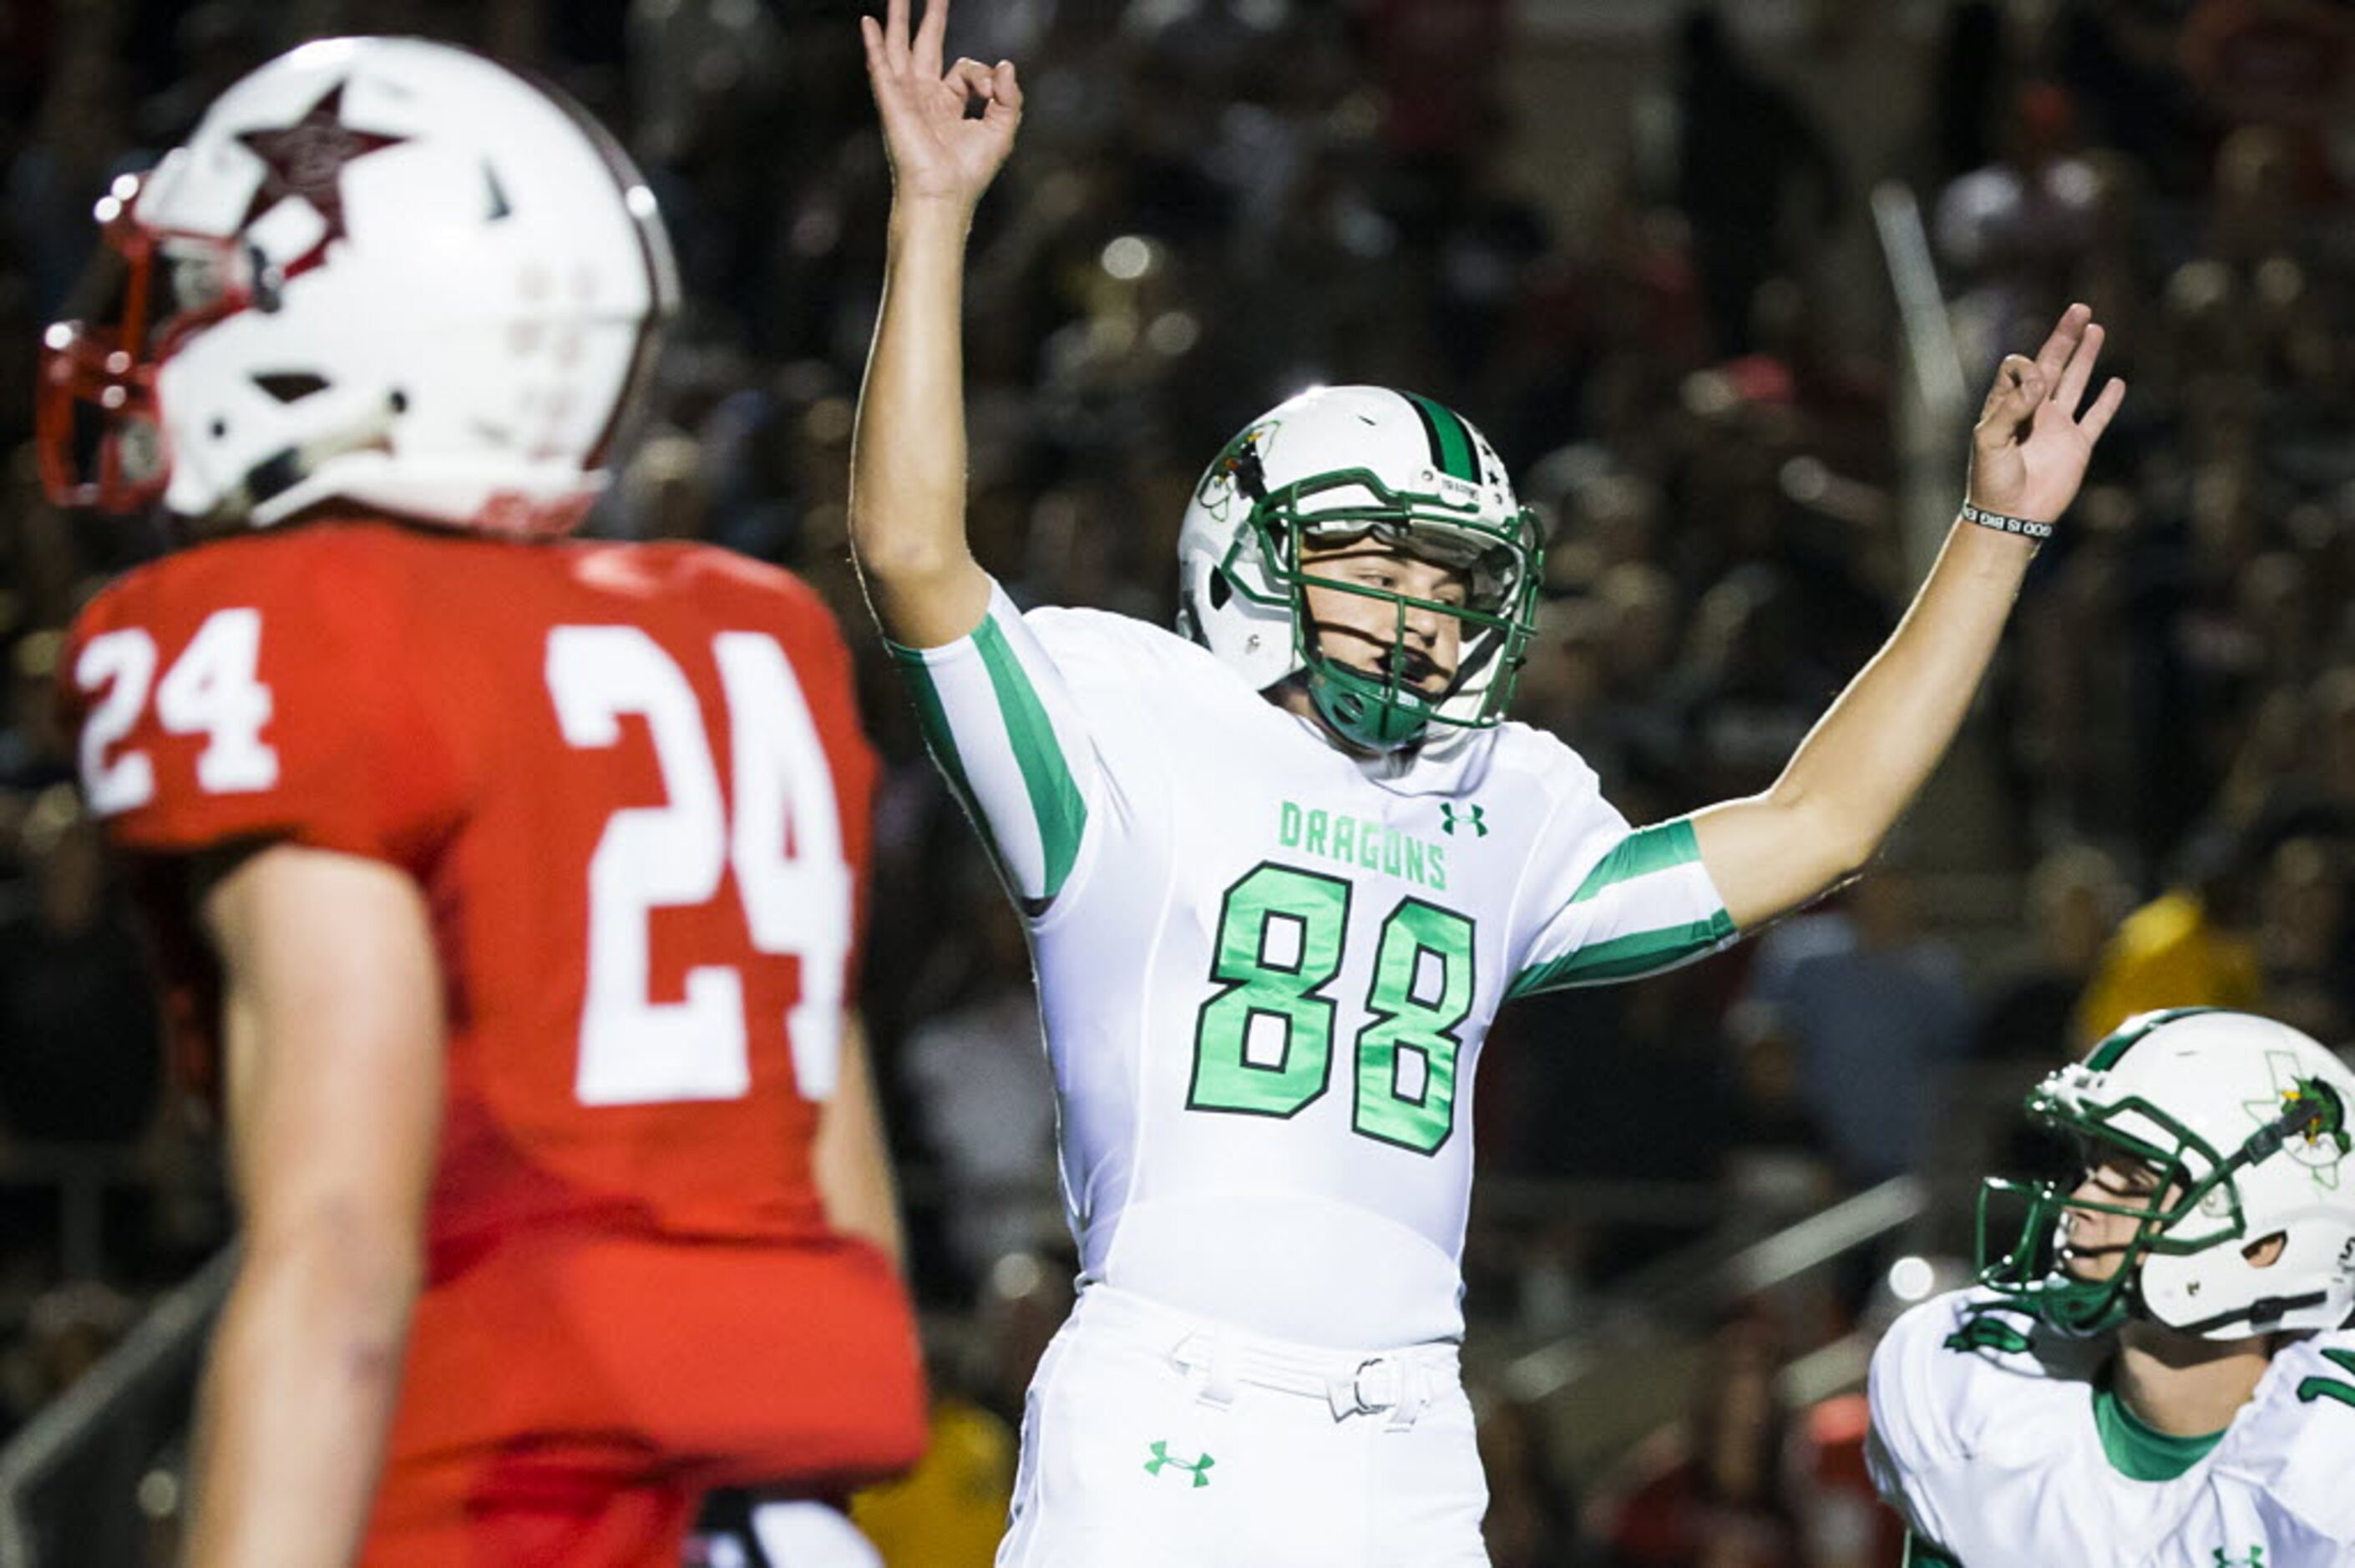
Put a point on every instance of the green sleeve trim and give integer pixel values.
(1055, 801)
(1627, 957)
(1662, 847)
(932, 719)
(1920, 1554)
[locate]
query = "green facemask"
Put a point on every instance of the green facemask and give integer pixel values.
(2193, 1206)
(1383, 712)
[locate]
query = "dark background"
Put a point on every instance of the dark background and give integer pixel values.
(1637, 245)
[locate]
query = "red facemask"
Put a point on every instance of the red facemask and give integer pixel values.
(98, 431)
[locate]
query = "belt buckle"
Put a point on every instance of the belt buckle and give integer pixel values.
(1376, 1385)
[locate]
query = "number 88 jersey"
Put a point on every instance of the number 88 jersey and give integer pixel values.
(630, 780)
(1266, 965)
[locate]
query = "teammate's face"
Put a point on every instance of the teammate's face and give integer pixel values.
(2094, 1241)
(1366, 632)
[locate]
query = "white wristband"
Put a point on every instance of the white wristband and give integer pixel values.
(2003, 525)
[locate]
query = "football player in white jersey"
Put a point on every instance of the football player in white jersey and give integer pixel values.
(2154, 1370)
(1280, 870)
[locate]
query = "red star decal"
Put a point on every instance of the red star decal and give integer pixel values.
(307, 159)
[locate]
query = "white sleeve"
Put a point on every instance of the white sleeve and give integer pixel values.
(1002, 724)
(1908, 1441)
(1638, 902)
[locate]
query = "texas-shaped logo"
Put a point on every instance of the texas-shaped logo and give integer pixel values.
(2324, 1147)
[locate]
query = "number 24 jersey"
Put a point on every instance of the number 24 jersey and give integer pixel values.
(1266, 966)
(630, 780)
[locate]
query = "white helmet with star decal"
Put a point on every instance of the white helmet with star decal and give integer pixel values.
(1342, 462)
(2245, 1123)
(385, 273)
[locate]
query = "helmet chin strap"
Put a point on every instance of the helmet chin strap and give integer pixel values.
(2262, 1315)
(1364, 711)
(1381, 712)
(281, 471)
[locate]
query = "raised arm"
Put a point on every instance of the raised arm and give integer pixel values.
(332, 1025)
(907, 460)
(1865, 760)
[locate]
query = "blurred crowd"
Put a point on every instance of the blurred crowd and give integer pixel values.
(1692, 361)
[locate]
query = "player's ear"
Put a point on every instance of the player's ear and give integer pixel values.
(2265, 1251)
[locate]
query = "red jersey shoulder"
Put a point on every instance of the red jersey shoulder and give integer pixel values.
(339, 684)
(735, 592)
(762, 596)
(729, 586)
(252, 688)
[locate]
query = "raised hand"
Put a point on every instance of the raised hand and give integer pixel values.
(938, 152)
(2029, 450)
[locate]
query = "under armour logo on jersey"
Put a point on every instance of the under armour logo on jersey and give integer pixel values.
(1200, 1468)
(2255, 1559)
(1471, 817)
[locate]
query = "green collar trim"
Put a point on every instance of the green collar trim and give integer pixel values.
(2140, 1453)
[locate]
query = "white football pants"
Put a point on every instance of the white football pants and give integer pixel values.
(1154, 1439)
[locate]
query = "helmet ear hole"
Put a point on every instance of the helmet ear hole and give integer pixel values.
(2265, 1251)
(290, 385)
(1221, 590)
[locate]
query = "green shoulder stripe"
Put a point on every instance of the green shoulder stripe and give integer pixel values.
(932, 719)
(1626, 957)
(1055, 801)
(1658, 848)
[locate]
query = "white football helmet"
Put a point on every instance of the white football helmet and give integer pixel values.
(2245, 1123)
(1337, 464)
(384, 272)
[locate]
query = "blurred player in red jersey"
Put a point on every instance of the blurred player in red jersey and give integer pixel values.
(510, 885)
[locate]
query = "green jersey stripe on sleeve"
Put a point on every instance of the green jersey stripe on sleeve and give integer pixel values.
(932, 719)
(1920, 1554)
(1661, 847)
(1626, 957)
(1055, 800)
